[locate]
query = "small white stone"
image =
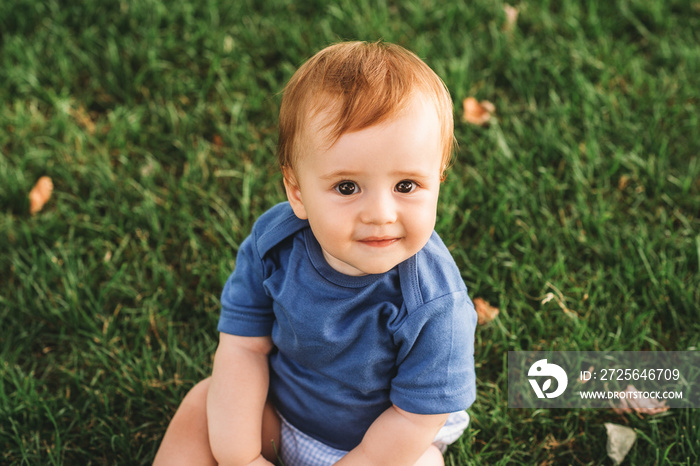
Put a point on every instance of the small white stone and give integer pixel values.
(620, 441)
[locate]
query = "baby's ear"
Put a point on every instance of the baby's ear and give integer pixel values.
(291, 186)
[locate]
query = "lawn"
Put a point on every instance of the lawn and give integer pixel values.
(157, 123)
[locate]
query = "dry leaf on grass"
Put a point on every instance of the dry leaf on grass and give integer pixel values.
(484, 311)
(551, 443)
(620, 441)
(40, 194)
(623, 182)
(511, 17)
(640, 405)
(83, 119)
(477, 113)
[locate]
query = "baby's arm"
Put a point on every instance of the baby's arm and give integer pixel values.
(236, 399)
(397, 437)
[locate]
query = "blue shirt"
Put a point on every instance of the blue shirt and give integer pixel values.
(348, 347)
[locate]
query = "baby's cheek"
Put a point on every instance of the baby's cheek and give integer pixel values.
(422, 221)
(421, 228)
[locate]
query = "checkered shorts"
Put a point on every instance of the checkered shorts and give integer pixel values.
(298, 449)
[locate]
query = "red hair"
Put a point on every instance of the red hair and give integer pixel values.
(362, 84)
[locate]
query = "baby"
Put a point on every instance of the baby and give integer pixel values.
(346, 331)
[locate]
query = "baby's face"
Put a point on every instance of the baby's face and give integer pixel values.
(371, 198)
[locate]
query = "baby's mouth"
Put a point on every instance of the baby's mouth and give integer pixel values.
(379, 241)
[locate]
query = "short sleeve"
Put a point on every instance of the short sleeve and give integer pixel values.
(435, 360)
(246, 309)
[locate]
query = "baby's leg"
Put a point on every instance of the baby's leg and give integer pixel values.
(431, 457)
(186, 441)
(271, 426)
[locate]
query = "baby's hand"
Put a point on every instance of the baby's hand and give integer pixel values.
(260, 461)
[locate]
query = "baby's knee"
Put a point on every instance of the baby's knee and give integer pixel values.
(197, 396)
(431, 457)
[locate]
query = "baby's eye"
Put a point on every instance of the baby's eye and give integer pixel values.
(346, 188)
(405, 186)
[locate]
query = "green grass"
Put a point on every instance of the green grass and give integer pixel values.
(157, 123)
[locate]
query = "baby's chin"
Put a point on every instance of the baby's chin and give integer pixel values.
(378, 269)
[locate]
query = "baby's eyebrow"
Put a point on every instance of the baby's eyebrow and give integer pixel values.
(410, 174)
(340, 174)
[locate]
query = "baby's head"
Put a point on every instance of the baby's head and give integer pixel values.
(366, 134)
(355, 85)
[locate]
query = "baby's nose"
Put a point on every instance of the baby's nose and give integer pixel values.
(379, 209)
